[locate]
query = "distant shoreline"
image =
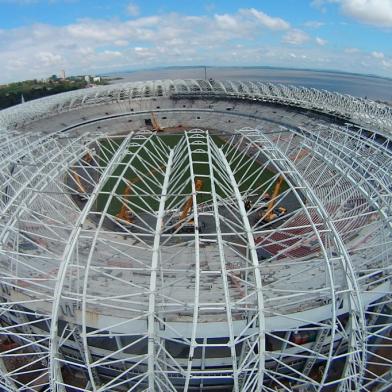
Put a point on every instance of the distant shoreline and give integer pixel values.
(255, 67)
(373, 87)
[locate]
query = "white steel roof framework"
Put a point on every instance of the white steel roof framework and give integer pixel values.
(358, 110)
(152, 305)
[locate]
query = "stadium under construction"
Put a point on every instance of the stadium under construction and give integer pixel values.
(193, 235)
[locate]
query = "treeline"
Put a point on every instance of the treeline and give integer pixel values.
(11, 94)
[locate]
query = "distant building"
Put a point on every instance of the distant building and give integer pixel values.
(97, 79)
(62, 74)
(87, 78)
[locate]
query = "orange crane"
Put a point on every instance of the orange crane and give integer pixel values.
(81, 188)
(155, 123)
(270, 213)
(187, 208)
(125, 212)
(87, 158)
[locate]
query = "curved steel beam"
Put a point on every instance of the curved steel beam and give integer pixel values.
(55, 371)
(357, 339)
(153, 279)
(256, 270)
(365, 112)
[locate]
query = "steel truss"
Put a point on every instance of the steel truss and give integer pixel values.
(220, 297)
(358, 110)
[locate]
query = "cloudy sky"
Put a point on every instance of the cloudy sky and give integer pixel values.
(40, 37)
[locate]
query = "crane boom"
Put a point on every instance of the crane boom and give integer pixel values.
(79, 184)
(125, 212)
(189, 203)
(155, 123)
(269, 215)
(87, 158)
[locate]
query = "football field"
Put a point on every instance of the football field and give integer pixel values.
(145, 174)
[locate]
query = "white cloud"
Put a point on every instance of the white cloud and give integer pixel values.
(373, 12)
(112, 53)
(88, 45)
(226, 21)
(314, 24)
(295, 37)
(121, 42)
(321, 42)
(351, 50)
(320, 4)
(378, 55)
(387, 63)
(48, 58)
(133, 9)
(88, 31)
(270, 22)
(103, 45)
(248, 22)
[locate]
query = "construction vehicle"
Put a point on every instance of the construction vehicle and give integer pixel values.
(81, 189)
(270, 213)
(125, 213)
(155, 123)
(89, 156)
(183, 225)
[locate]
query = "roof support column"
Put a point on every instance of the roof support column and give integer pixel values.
(153, 279)
(256, 267)
(223, 266)
(197, 268)
(55, 371)
(356, 340)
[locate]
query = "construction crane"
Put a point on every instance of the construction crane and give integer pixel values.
(88, 157)
(271, 213)
(125, 212)
(82, 191)
(186, 208)
(155, 123)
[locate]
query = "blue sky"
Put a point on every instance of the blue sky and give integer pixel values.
(40, 37)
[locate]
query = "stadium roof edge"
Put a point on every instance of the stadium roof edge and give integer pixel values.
(360, 111)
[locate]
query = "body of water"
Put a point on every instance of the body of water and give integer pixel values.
(372, 87)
